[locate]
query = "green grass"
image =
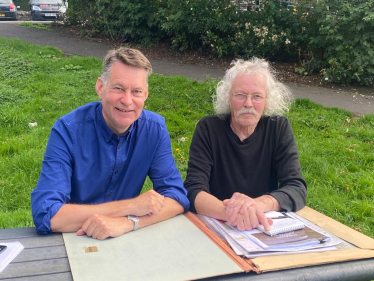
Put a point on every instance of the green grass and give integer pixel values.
(36, 25)
(40, 84)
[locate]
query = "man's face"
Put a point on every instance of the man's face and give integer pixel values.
(247, 99)
(123, 96)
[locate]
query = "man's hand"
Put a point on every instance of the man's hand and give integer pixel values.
(245, 213)
(101, 227)
(148, 203)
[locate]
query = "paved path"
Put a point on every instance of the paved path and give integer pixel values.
(357, 103)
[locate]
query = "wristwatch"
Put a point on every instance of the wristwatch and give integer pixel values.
(135, 219)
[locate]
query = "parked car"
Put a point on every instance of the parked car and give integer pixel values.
(47, 9)
(8, 10)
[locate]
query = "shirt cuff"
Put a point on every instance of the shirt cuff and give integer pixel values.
(44, 227)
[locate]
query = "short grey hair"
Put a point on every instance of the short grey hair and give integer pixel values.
(127, 56)
(278, 95)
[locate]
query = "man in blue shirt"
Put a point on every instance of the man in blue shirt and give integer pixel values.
(99, 155)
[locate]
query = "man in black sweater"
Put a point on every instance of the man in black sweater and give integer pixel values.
(244, 160)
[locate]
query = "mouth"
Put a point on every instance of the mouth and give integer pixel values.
(123, 110)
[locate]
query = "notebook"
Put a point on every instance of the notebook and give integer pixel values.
(281, 223)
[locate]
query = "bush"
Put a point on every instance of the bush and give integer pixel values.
(200, 24)
(218, 27)
(349, 40)
(121, 21)
(336, 41)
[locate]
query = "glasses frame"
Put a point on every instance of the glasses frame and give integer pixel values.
(255, 98)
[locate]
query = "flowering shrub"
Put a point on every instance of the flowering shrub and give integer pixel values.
(217, 26)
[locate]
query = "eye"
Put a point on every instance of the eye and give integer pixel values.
(240, 96)
(257, 97)
(118, 89)
(137, 92)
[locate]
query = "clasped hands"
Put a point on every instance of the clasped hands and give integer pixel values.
(245, 212)
(101, 227)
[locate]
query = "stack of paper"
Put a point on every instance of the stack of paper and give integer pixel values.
(281, 223)
(255, 243)
(12, 250)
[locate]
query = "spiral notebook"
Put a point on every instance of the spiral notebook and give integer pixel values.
(282, 223)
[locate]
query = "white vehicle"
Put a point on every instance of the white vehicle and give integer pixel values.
(47, 9)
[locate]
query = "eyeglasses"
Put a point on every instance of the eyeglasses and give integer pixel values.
(243, 97)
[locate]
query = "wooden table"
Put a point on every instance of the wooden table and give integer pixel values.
(45, 258)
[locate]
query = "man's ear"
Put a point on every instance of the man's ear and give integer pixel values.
(99, 87)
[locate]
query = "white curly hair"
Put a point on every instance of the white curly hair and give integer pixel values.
(278, 95)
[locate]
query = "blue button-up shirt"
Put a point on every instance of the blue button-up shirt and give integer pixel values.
(87, 163)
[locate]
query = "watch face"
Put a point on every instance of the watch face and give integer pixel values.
(135, 219)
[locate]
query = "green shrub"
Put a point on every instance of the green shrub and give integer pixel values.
(334, 37)
(121, 21)
(221, 29)
(200, 24)
(338, 36)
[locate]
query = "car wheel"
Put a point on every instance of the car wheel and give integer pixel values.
(33, 16)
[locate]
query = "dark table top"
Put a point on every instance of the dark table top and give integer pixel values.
(45, 258)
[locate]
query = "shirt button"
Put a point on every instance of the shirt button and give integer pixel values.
(116, 172)
(119, 147)
(108, 195)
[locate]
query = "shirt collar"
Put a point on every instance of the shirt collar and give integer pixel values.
(106, 131)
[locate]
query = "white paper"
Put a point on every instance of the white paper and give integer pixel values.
(243, 246)
(174, 249)
(7, 255)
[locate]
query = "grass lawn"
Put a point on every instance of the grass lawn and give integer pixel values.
(40, 84)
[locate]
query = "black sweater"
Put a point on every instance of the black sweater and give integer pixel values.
(267, 162)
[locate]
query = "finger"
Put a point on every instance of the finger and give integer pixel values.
(90, 229)
(236, 199)
(80, 232)
(247, 222)
(263, 220)
(244, 208)
(234, 223)
(235, 211)
(236, 196)
(97, 230)
(253, 218)
(95, 223)
(102, 234)
(87, 223)
(240, 223)
(225, 201)
(233, 200)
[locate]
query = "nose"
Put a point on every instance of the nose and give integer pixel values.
(248, 102)
(126, 98)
